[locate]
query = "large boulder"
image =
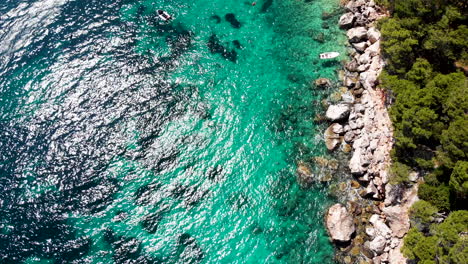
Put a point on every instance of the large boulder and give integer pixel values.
(369, 191)
(349, 136)
(360, 46)
(340, 223)
(364, 58)
(380, 227)
(347, 97)
(357, 34)
(363, 67)
(378, 244)
(338, 112)
(355, 164)
(374, 49)
(346, 21)
(373, 35)
(353, 6)
(368, 79)
(376, 64)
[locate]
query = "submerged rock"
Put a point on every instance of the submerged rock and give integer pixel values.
(322, 82)
(340, 223)
(304, 174)
(151, 222)
(215, 46)
(231, 18)
(216, 18)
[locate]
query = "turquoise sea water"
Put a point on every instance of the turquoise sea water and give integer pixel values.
(126, 139)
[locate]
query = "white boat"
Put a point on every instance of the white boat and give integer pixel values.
(164, 15)
(329, 55)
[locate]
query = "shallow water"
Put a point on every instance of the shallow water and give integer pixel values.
(125, 139)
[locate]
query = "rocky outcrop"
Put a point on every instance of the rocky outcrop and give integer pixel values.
(368, 131)
(340, 223)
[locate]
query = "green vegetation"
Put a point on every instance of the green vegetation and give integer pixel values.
(459, 179)
(422, 214)
(446, 242)
(399, 173)
(426, 46)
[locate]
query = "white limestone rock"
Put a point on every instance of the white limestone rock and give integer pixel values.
(338, 112)
(373, 35)
(374, 49)
(360, 46)
(340, 223)
(346, 20)
(357, 34)
(378, 244)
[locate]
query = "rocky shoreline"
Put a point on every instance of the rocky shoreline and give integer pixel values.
(371, 225)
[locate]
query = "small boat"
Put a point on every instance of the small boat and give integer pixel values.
(164, 15)
(329, 55)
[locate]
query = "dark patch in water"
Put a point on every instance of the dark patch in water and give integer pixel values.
(256, 229)
(331, 63)
(180, 42)
(237, 44)
(185, 239)
(216, 48)
(151, 222)
(266, 5)
(38, 228)
(127, 249)
(120, 216)
(238, 200)
(216, 18)
(231, 18)
(191, 195)
(109, 236)
(214, 173)
(90, 196)
(145, 194)
(188, 249)
(293, 78)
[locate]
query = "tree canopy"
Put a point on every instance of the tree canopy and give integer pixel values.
(425, 45)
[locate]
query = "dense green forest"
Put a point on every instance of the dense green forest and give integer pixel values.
(425, 44)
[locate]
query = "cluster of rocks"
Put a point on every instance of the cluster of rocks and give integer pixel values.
(360, 122)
